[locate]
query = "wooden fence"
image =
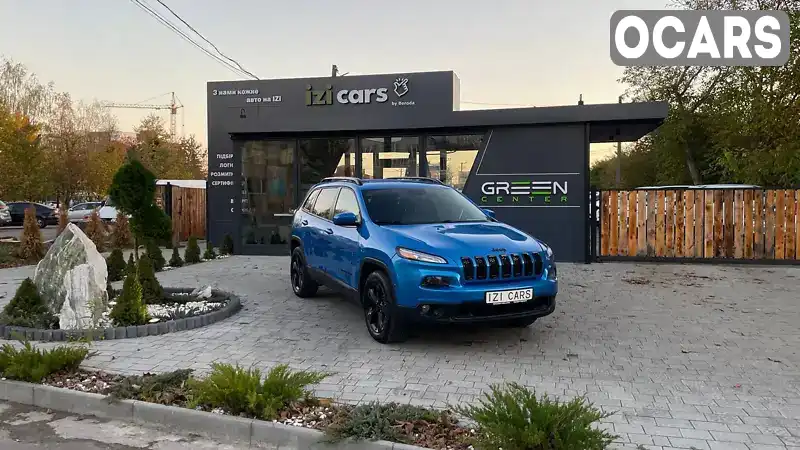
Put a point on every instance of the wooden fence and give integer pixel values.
(188, 211)
(743, 224)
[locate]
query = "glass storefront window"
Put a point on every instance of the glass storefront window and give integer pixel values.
(325, 157)
(268, 191)
(450, 157)
(387, 156)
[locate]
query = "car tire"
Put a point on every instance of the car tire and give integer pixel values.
(522, 322)
(381, 316)
(303, 285)
(41, 222)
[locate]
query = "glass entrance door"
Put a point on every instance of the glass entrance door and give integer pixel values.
(268, 196)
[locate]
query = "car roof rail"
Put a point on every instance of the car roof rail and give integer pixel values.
(420, 179)
(344, 179)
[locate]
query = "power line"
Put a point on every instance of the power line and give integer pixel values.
(168, 24)
(204, 38)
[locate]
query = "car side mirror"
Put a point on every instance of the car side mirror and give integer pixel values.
(345, 219)
(489, 213)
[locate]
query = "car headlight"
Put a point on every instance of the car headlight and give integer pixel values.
(548, 251)
(414, 255)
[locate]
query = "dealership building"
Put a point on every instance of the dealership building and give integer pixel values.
(271, 140)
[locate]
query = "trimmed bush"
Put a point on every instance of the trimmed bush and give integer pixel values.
(31, 247)
(227, 245)
(239, 391)
(96, 231)
(152, 292)
(168, 388)
(175, 260)
(513, 418)
(156, 256)
(121, 235)
(116, 265)
(33, 365)
(130, 267)
(209, 253)
(192, 253)
(130, 309)
(375, 421)
(27, 309)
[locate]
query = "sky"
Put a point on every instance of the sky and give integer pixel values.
(505, 52)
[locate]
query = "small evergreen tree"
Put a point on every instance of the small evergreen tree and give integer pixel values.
(130, 310)
(96, 231)
(209, 253)
(156, 256)
(130, 268)
(227, 245)
(192, 253)
(27, 309)
(175, 260)
(116, 265)
(63, 218)
(31, 247)
(152, 292)
(121, 236)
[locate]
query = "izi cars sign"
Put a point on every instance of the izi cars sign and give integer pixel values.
(524, 192)
(327, 96)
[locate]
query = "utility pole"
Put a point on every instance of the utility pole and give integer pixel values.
(334, 70)
(619, 156)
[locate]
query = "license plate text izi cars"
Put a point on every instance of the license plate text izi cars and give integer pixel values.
(510, 296)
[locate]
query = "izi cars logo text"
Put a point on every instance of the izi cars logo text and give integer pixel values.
(358, 96)
(524, 191)
(700, 38)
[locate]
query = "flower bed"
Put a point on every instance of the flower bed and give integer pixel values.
(180, 312)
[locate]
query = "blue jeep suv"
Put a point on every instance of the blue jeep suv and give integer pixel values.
(413, 249)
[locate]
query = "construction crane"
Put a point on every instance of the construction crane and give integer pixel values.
(172, 107)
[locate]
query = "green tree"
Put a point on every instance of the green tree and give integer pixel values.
(152, 292)
(27, 309)
(116, 265)
(192, 253)
(129, 310)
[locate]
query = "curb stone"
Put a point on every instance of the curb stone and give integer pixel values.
(256, 434)
(153, 329)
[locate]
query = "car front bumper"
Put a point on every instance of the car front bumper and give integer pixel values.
(464, 301)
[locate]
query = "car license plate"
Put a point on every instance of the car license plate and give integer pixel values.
(510, 296)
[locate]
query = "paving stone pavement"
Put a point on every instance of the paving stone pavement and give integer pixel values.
(689, 356)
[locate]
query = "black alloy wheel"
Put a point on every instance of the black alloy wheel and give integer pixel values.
(380, 312)
(41, 222)
(302, 283)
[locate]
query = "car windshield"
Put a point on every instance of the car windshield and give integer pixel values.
(108, 202)
(413, 205)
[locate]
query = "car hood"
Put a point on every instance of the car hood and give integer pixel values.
(464, 239)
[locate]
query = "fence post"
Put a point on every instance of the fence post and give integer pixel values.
(167, 199)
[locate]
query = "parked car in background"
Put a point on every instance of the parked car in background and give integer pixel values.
(414, 250)
(108, 211)
(44, 214)
(5, 215)
(81, 211)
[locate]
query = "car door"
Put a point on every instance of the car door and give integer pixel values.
(17, 212)
(320, 229)
(77, 212)
(346, 251)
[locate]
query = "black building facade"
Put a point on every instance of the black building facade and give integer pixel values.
(271, 140)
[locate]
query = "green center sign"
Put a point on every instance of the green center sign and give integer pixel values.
(523, 192)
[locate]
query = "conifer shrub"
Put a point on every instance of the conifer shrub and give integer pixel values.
(63, 219)
(130, 267)
(116, 265)
(31, 247)
(27, 309)
(209, 253)
(153, 252)
(33, 365)
(96, 231)
(121, 237)
(152, 292)
(192, 253)
(227, 245)
(129, 309)
(176, 260)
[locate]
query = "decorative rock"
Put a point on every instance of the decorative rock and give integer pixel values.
(202, 293)
(71, 278)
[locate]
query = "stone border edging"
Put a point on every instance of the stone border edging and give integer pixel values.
(152, 329)
(229, 429)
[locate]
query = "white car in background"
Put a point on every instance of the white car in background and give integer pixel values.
(107, 211)
(80, 212)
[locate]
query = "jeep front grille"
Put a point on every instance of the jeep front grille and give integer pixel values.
(492, 267)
